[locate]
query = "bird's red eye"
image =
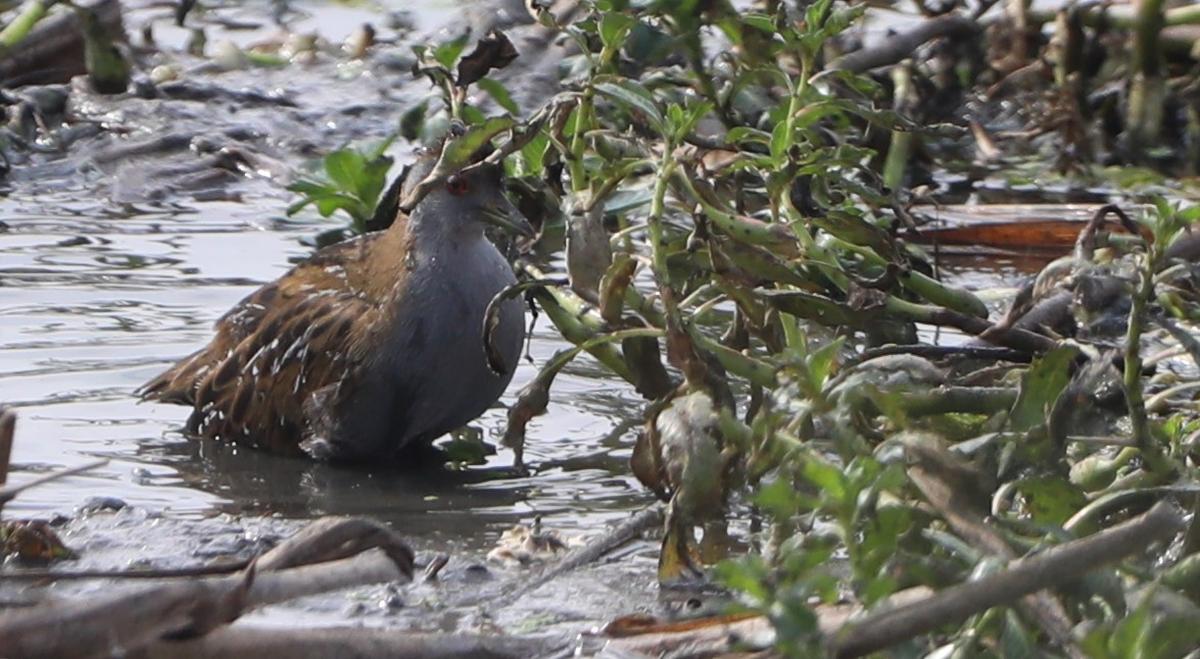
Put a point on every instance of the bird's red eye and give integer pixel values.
(456, 186)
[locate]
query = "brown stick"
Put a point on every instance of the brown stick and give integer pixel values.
(651, 518)
(1044, 608)
(727, 635)
(902, 45)
(332, 538)
(156, 573)
(1051, 568)
(134, 618)
(9, 493)
(8, 424)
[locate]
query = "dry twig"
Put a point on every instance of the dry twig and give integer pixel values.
(131, 619)
(1043, 608)
(1049, 569)
(648, 519)
(10, 492)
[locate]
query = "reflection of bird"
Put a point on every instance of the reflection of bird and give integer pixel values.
(370, 345)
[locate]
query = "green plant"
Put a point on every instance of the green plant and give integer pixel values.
(350, 180)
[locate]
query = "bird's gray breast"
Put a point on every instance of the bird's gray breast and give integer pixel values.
(439, 365)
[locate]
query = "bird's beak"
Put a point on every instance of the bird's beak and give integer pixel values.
(508, 218)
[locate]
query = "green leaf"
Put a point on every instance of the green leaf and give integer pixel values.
(1041, 386)
(820, 363)
(633, 96)
(345, 168)
(1051, 499)
(781, 141)
(739, 134)
(533, 155)
(614, 28)
(778, 498)
(688, 119)
(448, 53)
(458, 150)
(763, 22)
(376, 152)
(312, 188)
(498, 93)
(472, 115)
(827, 477)
(374, 178)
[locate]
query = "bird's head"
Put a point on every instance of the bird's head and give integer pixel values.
(467, 200)
(474, 198)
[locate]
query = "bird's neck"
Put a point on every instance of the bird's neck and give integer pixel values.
(434, 228)
(413, 242)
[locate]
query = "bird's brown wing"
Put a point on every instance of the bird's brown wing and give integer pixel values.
(307, 332)
(178, 384)
(255, 395)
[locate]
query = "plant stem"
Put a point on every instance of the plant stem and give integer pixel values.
(1134, 396)
(1147, 89)
(901, 145)
(19, 28)
(583, 113)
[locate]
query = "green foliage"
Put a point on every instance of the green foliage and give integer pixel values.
(756, 249)
(350, 180)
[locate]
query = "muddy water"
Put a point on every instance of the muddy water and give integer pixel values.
(93, 307)
(111, 269)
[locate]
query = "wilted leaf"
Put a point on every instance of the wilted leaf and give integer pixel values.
(1040, 386)
(494, 51)
(588, 252)
(32, 541)
(1050, 499)
(644, 358)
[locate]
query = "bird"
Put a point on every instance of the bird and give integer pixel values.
(373, 345)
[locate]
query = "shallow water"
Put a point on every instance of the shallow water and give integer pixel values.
(104, 283)
(92, 307)
(97, 296)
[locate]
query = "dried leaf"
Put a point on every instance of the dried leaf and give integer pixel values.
(588, 252)
(494, 51)
(613, 285)
(645, 362)
(32, 541)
